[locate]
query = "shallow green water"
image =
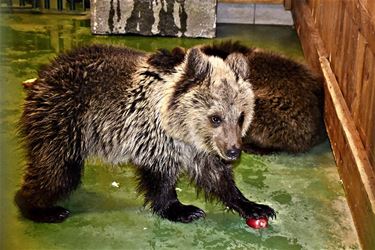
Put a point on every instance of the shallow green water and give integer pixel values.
(304, 189)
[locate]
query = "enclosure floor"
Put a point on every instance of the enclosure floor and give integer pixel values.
(304, 189)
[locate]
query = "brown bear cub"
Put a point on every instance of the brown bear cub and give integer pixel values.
(167, 113)
(288, 113)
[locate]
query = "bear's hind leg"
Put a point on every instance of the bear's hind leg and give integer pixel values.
(45, 185)
(160, 192)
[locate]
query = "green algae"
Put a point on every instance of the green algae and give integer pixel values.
(304, 189)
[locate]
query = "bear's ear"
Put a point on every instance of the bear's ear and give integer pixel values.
(196, 69)
(239, 64)
(166, 61)
(197, 64)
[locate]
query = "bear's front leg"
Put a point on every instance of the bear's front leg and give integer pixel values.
(159, 191)
(246, 208)
(216, 179)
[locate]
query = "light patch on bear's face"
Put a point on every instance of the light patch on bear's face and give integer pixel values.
(204, 89)
(227, 112)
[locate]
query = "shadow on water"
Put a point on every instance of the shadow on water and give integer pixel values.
(304, 189)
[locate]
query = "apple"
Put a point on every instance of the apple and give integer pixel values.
(261, 222)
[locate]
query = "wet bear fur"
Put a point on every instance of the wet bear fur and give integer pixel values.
(288, 113)
(167, 113)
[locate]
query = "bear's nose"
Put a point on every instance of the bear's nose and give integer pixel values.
(233, 153)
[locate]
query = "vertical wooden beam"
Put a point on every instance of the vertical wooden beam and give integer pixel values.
(358, 78)
(288, 4)
(368, 104)
(311, 43)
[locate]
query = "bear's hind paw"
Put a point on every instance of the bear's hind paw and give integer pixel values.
(48, 215)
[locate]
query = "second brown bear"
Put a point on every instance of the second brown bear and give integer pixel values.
(288, 114)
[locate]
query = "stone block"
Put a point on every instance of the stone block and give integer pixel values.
(190, 18)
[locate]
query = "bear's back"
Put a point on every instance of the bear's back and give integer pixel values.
(92, 65)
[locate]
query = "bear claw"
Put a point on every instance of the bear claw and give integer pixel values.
(178, 212)
(259, 210)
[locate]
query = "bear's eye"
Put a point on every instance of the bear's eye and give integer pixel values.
(241, 119)
(216, 121)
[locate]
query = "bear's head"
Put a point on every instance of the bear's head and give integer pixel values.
(208, 104)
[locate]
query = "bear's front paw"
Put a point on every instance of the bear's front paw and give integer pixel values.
(48, 215)
(178, 212)
(256, 211)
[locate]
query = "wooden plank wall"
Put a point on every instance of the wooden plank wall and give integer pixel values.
(347, 29)
(338, 38)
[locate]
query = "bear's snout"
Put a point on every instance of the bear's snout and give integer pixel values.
(228, 143)
(233, 153)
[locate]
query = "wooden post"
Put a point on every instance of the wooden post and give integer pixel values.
(288, 4)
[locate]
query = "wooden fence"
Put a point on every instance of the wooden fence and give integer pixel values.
(338, 39)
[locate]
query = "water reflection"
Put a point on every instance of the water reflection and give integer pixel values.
(24, 33)
(56, 33)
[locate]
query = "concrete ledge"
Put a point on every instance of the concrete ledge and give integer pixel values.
(273, 14)
(235, 13)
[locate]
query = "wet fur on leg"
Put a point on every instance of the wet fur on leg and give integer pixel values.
(221, 185)
(160, 194)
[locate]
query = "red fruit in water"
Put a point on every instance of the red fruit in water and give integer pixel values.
(257, 223)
